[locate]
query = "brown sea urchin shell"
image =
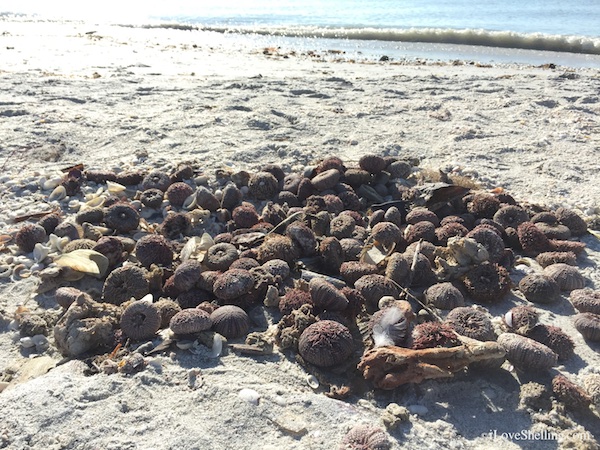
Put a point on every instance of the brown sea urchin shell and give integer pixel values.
(220, 256)
(586, 300)
(444, 296)
(471, 323)
(325, 296)
(526, 354)
(567, 277)
(153, 249)
(125, 283)
(365, 437)
(230, 321)
(538, 288)
(487, 282)
(140, 320)
(29, 235)
(554, 338)
(232, 284)
(588, 324)
(325, 343)
(122, 217)
(190, 321)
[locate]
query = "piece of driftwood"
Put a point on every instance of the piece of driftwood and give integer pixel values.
(390, 367)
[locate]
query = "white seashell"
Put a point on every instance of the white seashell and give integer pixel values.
(74, 205)
(37, 267)
(508, 318)
(199, 216)
(19, 272)
(50, 183)
(39, 340)
(57, 194)
(40, 252)
(312, 381)
(13, 325)
(94, 202)
(115, 188)
(148, 298)
(190, 202)
(217, 347)
(249, 395)
(85, 261)
(5, 271)
(57, 244)
(26, 342)
(185, 345)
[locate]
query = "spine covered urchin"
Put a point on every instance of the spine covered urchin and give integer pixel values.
(573, 396)
(472, 323)
(326, 343)
(29, 235)
(532, 240)
(325, 296)
(521, 319)
(487, 282)
(492, 242)
(433, 335)
(547, 258)
(554, 338)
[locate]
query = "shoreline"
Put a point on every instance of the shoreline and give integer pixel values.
(119, 98)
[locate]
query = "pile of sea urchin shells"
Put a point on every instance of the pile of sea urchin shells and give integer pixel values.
(373, 266)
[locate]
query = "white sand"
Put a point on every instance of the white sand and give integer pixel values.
(122, 96)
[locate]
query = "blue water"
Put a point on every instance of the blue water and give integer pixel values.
(395, 26)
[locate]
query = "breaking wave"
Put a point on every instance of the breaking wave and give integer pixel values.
(478, 37)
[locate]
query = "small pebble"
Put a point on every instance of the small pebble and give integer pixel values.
(249, 395)
(419, 410)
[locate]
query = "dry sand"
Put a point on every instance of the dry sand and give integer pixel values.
(149, 98)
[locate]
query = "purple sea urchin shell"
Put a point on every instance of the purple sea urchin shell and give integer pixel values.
(263, 185)
(325, 296)
(372, 163)
(187, 275)
(294, 299)
(156, 180)
(365, 437)
(175, 225)
(444, 296)
(547, 258)
(511, 216)
(538, 288)
(153, 249)
(125, 283)
(220, 256)
(471, 323)
(326, 343)
(586, 300)
(572, 220)
(432, 335)
(230, 321)
(487, 282)
(152, 198)
(122, 217)
(554, 338)
(232, 284)
(526, 354)
(588, 324)
(29, 235)
(567, 277)
(140, 320)
(190, 321)
(178, 192)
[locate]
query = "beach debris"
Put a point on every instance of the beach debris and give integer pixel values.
(390, 367)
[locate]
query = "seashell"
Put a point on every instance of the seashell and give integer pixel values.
(220, 256)
(230, 321)
(125, 283)
(198, 216)
(26, 342)
(57, 244)
(217, 346)
(487, 282)
(249, 395)
(40, 252)
(190, 202)
(586, 300)
(94, 202)
(588, 324)
(19, 272)
(114, 187)
(312, 381)
(58, 194)
(567, 277)
(5, 271)
(50, 183)
(526, 354)
(85, 261)
(74, 205)
(326, 343)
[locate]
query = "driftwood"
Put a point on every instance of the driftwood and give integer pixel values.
(390, 367)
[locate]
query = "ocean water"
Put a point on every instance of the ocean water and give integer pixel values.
(560, 31)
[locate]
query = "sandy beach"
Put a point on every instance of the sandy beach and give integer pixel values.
(122, 98)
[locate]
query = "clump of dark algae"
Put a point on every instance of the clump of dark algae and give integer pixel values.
(327, 254)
